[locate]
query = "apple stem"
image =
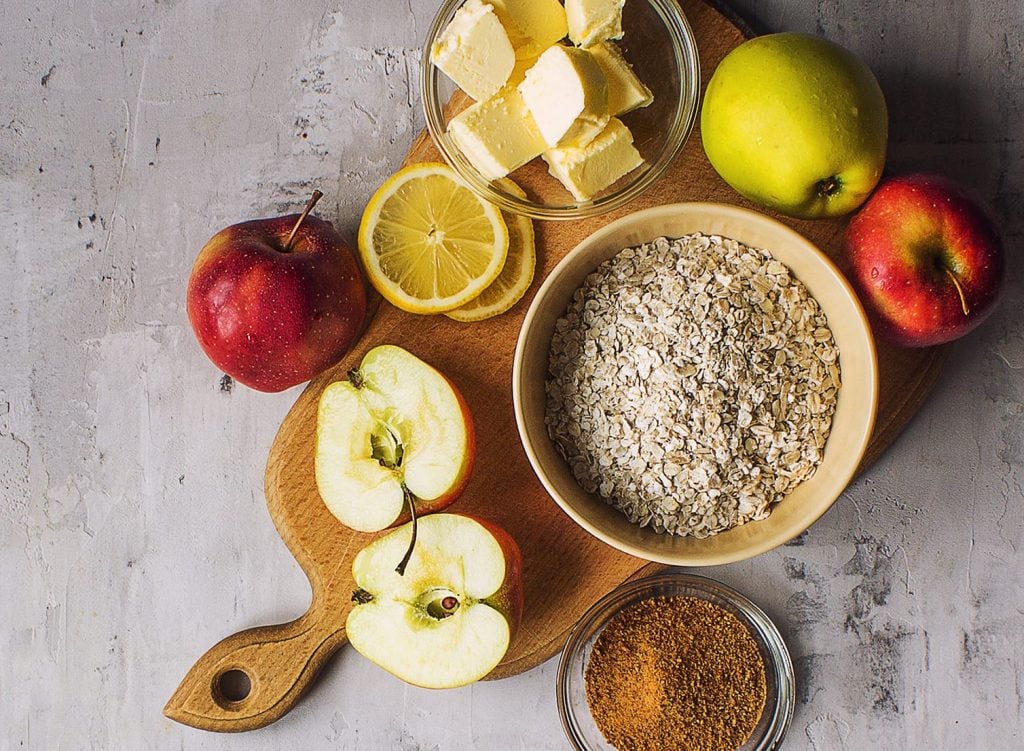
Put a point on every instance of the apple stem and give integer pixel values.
(400, 568)
(317, 195)
(959, 290)
(355, 378)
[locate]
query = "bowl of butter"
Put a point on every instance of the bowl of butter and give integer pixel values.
(582, 104)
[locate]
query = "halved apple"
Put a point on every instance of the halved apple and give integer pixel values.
(450, 619)
(397, 432)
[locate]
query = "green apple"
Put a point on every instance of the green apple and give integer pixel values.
(796, 123)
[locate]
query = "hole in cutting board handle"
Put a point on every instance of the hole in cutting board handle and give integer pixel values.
(231, 688)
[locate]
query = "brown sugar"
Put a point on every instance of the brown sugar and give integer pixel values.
(676, 673)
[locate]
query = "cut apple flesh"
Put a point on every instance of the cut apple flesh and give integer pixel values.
(395, 425)
(439, 625)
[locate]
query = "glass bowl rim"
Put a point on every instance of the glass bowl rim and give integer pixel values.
(763, 630)
(684, 48)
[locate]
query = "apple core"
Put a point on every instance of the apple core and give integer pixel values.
(394, 440)
(441, 603)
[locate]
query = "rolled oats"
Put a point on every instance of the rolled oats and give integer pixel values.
(692, 384)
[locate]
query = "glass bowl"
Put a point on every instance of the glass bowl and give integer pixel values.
(580, 727)
(659, 43)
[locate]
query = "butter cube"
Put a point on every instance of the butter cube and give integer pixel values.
(497, 136)
(567, 95)
(474, 51)
(532, 25)
(593, 21)
(586, 171)
(523, 64)
(626, 91)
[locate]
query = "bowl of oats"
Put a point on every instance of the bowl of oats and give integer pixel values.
(695, 384)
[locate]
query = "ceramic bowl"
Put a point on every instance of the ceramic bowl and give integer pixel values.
(851, 425)
(659, 43)
(579, 725)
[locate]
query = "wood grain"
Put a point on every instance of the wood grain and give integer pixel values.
(565, 569)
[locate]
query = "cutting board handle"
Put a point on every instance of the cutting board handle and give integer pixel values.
(252, 678)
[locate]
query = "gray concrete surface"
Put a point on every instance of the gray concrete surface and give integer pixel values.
(133, 532)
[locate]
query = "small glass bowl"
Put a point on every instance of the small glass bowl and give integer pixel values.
(659, 43)
(579, 725)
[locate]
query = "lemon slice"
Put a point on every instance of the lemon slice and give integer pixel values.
(428, 243)
(517, 274)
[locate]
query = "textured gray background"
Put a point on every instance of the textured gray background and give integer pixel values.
(133, 533)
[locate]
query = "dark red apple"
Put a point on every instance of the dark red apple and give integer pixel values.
(927, 260)
(273, 302)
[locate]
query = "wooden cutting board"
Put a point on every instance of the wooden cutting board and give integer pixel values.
(566, 570)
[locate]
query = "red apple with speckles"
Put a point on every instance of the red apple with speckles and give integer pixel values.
(273, 302)
(927, 260)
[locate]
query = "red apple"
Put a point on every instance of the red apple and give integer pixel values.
(927, 259)
(451, 617)
(395, 438)
(273, 302)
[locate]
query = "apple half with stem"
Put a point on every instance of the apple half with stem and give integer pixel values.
(451, 617)
(394, 440)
